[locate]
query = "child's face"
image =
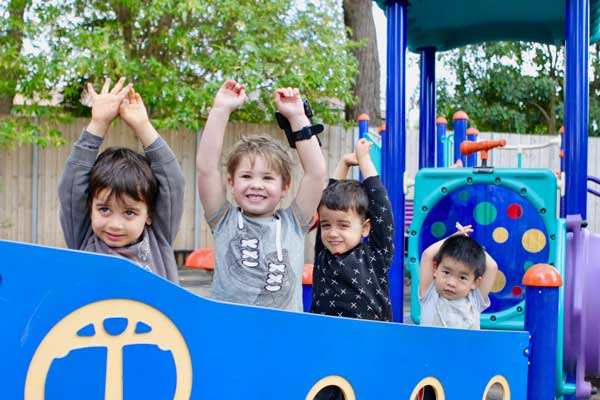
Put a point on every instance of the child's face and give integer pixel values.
(118, 222)
(453, 279)
(256, 188)
(342, 231)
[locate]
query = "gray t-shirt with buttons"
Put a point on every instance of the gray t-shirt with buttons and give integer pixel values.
(259, 261)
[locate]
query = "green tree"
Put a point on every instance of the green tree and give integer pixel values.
(179, 52)
(176, 52)
(505, 87)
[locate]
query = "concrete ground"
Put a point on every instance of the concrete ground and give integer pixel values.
(199, 282)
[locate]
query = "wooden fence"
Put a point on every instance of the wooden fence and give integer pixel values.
(17, 171)
(16, 180)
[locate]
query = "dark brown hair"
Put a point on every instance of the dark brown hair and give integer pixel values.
(345, 195)
(123, 172)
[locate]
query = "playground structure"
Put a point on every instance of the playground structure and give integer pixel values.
(74, 331)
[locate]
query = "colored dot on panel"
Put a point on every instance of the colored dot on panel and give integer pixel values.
(438, 229)
(500, 235)
(517, 291)
(514, 211)
(464, 195)
(534, 240)
(484, 213)
(499, 283)
(527, 265)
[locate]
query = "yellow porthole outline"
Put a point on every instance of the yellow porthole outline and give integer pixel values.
(434, 383)
(332, 380)
(499, 379)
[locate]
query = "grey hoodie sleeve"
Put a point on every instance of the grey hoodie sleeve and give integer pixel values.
(73, 187)
(171, 184)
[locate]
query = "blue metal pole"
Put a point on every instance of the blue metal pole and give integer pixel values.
(441, 123)
(561, 154)
(576, 106)
(363, 129)
(472, 136)
(460, 119)
(541, 320)
(427, 109)
(394, 142)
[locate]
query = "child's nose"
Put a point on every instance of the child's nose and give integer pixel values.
(115, 223)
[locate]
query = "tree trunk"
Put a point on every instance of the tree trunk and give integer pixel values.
(359, 18)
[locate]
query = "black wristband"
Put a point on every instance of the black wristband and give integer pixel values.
(304, 134)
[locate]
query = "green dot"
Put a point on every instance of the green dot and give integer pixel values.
(438, 229)
(527, 265)
(485, 213)
(464, 195)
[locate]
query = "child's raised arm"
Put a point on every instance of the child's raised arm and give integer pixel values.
(348, 160)
(426, 267)
(363, 155)
(168, 208)
(230, 96)
(289, 103)
(489, 276)
(73, 185)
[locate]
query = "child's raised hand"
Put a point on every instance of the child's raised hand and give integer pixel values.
(350, 159)
(289, 102)
(464, 230)
(133, 111)
(231, 96)
(105, 105)
(362, 149)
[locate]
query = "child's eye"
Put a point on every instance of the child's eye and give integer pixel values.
(269, 178)
(325, 226)
(130, 213)
(103, 210)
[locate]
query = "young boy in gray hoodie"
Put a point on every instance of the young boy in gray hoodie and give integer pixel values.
(122, 202)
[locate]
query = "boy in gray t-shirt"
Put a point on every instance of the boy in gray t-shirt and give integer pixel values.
(259, 249)
(455, 278)
(122, 202)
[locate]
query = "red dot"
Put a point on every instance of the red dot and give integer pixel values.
(514, 211)
(517, 291)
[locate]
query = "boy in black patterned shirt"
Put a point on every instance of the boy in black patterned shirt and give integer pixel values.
(350, 276)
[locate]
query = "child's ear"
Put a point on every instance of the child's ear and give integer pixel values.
(149, 220)
(366, 227)
(230, 182)
(285, 189)
(476, 283)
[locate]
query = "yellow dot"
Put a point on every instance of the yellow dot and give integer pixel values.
(500, 235)
(499, 283)
(534, 240)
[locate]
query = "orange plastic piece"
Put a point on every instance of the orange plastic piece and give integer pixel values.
(472, 131)
(382, 128)
(542, 275)
(203, 258)
(467, 147)
(441, 120)
(307, 275)
(561, 130)
(460, 115)
(363, 117)
(315, 222)
(561, 154)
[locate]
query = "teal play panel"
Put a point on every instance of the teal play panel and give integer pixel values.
(514, 216)
(446, 25)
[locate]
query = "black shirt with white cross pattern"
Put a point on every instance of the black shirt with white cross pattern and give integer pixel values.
(355, 284)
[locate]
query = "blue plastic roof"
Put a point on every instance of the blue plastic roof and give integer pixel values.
(445, 24)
